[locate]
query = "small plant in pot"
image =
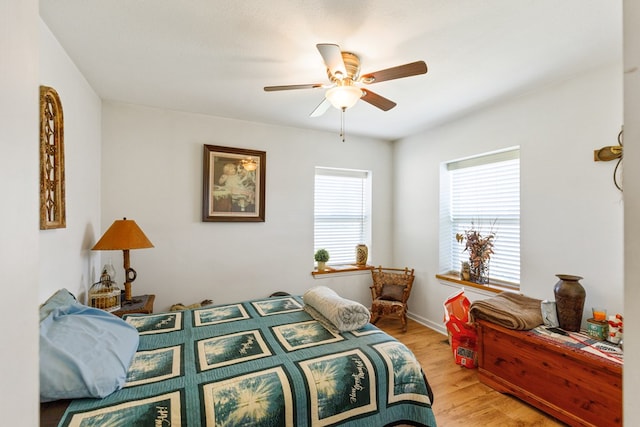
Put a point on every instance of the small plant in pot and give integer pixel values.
(321, 256)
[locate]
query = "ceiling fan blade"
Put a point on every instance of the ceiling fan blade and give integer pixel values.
(321, 108)
(377, 101)
(406, 70)
(291, 87)
(332, 56)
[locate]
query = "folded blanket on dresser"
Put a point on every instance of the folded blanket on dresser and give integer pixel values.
(508, 309)
(325, 305)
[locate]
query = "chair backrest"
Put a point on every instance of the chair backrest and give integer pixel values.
(393, 282)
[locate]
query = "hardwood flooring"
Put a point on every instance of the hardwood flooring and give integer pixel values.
(460, 400)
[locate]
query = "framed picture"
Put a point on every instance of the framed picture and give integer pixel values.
(233, 184)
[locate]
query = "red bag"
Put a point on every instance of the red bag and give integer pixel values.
(462, 334)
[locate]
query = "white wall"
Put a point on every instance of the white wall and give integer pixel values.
(152, 173)
(65, 257)
(19, 213)
(571, 211)
(631, 173)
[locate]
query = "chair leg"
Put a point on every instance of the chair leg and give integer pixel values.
(374, 318)
(404, 322)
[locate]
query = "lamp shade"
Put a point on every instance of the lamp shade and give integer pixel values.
(343, 97)
(123, 234)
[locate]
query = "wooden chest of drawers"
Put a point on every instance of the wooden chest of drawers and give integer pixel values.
(572, 385)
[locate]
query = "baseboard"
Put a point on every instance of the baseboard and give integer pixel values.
(438, 327)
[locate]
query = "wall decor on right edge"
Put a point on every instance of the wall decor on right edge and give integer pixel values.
(233, 184)
(52, 185)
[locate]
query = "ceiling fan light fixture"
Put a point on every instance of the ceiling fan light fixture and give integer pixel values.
(344, 97)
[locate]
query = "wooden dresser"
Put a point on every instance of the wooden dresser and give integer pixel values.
(574, 386)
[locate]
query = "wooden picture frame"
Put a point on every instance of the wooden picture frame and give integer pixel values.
(52, 184)
(233, 184)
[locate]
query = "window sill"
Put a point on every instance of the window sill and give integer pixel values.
(341, 269)
(490, 287)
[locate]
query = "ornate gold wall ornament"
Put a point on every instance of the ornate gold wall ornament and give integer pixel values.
(52, 197)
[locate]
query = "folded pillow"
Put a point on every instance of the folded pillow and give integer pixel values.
(392, 292)
(344, 314)
(61, 298)
(84, 352)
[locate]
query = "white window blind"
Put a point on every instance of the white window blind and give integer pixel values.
(483, 192)
(342, 212)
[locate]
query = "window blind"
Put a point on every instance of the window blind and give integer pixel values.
(484, 193)
(342, 217)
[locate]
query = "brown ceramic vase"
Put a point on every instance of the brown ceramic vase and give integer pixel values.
(570, 297)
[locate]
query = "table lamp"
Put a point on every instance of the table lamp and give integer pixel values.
(124, 234)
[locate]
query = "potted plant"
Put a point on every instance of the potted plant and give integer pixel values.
(321, 256)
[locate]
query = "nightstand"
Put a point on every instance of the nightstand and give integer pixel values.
(142, 304)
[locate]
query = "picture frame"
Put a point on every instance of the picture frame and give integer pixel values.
(233, 184)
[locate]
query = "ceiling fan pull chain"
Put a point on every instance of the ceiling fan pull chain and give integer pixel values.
(342, 133)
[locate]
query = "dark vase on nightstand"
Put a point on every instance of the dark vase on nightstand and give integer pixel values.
(570, 297)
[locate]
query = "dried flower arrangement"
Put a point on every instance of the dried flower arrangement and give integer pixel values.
(480, 249)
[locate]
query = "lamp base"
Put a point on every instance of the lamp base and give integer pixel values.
(127, 299)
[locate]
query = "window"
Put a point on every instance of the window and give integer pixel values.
(483, 191)
(342, 212)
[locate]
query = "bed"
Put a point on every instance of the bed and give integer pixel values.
(262, 362)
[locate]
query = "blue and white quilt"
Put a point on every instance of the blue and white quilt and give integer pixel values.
(260, 363)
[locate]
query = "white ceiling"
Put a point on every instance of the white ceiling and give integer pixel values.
(214, 57)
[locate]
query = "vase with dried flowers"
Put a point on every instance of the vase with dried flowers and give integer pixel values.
(480, 249)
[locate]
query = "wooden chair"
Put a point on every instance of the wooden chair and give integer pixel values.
(390, 291)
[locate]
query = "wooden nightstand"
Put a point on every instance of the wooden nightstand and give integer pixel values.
(143, 304)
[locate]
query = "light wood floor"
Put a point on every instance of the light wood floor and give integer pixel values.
(459, 398)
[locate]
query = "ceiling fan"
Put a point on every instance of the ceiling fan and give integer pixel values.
(346, 85)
